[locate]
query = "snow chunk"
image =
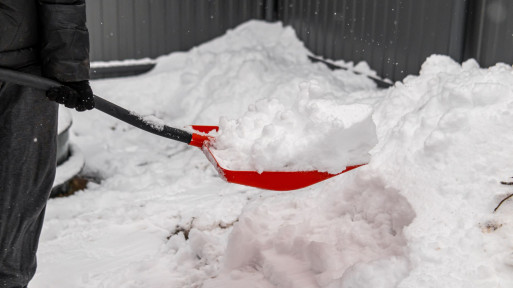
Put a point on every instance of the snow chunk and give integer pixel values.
(151, 120)
(312, 131)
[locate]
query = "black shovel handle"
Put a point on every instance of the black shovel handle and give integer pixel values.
(101, 104)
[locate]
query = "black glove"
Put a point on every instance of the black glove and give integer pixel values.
(78, 95)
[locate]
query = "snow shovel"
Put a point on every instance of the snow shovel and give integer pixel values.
(270, 180)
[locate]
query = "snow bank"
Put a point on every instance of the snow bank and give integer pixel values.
(417, 215)
(298, 118)
(420, 214)
(445, 142)
(161, 215)
(222, 78)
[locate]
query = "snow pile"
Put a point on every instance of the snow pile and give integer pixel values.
(445, 142)
(307, 131)
(223, 77)
(318, 239)
(159, 214)
(420, 214)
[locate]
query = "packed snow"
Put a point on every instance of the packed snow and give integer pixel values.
(303, 132)
(128, 62)
(420, 214)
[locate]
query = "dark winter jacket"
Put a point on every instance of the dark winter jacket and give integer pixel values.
(50, 33)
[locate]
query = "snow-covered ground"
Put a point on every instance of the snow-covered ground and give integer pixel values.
(420, 214)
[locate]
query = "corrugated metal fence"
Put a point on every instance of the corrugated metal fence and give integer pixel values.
(393, 36)
(133, 29)
(490, 32)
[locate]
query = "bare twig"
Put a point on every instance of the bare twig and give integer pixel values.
(503, 200)
(507, 183)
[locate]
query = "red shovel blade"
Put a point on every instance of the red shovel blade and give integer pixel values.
(270, 180)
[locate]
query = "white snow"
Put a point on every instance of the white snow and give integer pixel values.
(151, 120)
(65, 119)
(305, 131)
(117, 63)
(420, 214)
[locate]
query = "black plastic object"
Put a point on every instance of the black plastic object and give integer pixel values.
(103, 105)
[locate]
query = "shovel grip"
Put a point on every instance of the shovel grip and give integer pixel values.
(101, 104)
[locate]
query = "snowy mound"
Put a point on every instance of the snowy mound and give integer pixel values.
(225, 76)
(312, 131)
(420, 214)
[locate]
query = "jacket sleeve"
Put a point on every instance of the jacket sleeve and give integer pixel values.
(65, 40)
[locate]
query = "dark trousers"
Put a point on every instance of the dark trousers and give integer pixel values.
(28, 130)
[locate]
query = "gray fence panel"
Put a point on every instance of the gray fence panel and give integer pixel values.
(125, 29)
(490, 33)
(134, 29)
(393, 36)
(111, 27)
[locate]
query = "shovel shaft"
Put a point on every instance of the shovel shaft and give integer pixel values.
(101, 104)
(137, 121)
